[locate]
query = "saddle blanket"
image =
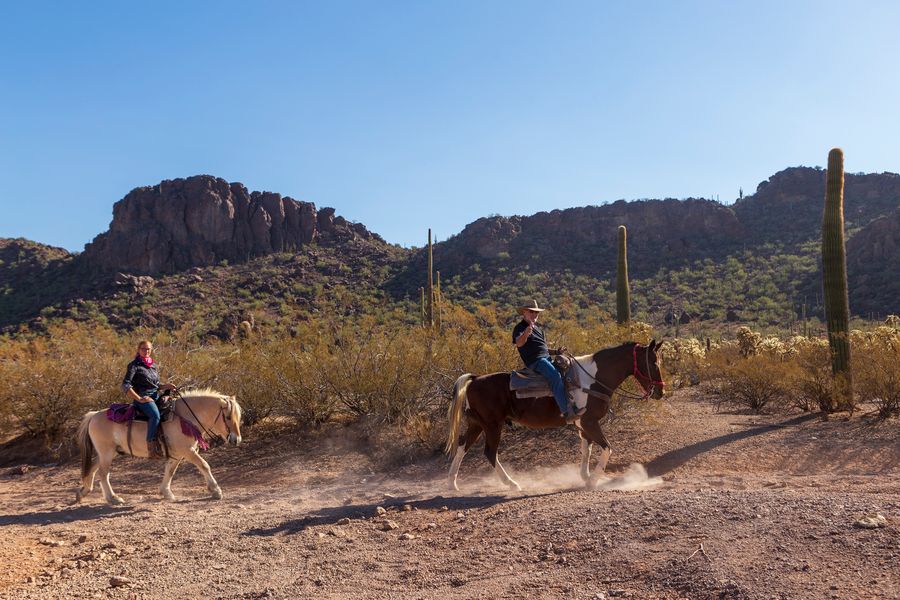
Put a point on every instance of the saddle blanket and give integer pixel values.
(122, 413)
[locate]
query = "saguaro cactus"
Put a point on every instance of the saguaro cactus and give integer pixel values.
(623, 294)
(438, 301)
(422, 305)
(834, 279)
(429, 295)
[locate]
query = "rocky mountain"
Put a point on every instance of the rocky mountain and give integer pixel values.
(231, 247)
(787, 208)
(873, 266)
(661, 233)
(204, 220)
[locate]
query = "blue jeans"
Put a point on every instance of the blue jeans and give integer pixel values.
(546, 368)
(152, 411)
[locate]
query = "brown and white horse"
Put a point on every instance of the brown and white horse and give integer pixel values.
(210, 412)
(487, 403)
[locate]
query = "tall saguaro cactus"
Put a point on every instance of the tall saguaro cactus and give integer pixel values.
(439, 302)
(834, 279)
(429, 295)
(623, 294)
(422, 305)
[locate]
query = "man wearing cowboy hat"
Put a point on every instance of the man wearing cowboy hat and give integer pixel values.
(529, 339)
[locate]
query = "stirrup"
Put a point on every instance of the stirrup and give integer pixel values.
(573, 413)
(154, 449)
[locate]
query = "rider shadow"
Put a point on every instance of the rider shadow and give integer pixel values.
(69, 515)
(367, 512)
(673, 459)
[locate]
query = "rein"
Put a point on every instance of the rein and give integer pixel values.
(636, 372)
(210, 434)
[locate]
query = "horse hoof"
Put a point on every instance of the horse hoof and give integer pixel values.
(515, 486)
(170, 497)
(116, 501)
(217, 494)
(78, 497)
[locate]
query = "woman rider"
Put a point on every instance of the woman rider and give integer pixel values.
(141, 384)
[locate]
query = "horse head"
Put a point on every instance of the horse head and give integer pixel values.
(232, 420)
(217, 414)
(647, 369)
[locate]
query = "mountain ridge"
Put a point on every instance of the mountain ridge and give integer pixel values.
(202, 222)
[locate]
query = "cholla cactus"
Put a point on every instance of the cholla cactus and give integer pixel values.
(748, 340)
(772, 346)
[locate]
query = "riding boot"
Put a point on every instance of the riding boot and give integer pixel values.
(154, 449)
(573, 412)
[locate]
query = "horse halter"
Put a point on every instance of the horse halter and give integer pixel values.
(648, 391)
(226, 418)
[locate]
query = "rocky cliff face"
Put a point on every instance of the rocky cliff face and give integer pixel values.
(787, 208)
(203, 220)
(873, 266)
(660, 232)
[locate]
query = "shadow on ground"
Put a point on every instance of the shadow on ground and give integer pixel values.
(331, 515)
(69, 515)
(675, 458)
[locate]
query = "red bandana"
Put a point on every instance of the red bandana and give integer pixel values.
(147, 361)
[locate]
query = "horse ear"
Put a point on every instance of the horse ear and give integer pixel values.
(658, 345)
(652, 342)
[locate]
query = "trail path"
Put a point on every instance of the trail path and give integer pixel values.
(744, 507)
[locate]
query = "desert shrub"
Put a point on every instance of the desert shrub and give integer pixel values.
(684, 360)
(812, 383)
(51, 380)
(875, 360)
(758, 382)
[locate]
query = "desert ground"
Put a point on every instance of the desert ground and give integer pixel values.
(702, 501)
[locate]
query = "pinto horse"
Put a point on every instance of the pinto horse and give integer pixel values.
(206, 411)
(487, 403)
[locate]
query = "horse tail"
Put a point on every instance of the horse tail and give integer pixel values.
(457, 405)
(85, 444)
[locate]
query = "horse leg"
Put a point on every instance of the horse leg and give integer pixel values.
(87, 483)
(585, 458)
(466, 441)
(491, 445)
(165, 489)
(197, 460)
(104, 462)
(593, 434)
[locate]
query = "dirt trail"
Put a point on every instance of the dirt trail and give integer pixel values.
(731, 506)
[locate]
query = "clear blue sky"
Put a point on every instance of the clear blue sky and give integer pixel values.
(416, 114)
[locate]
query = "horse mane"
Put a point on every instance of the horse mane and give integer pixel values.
(197, 392)
(599, 355)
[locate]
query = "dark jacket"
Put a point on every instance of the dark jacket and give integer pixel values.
(142, 378)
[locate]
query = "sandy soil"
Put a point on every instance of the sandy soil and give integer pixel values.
(736, 506)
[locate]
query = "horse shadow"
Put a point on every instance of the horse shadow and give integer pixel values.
(69, 515)
(364, 511)
(673, 459)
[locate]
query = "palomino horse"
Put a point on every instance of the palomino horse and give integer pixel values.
(208, 411)
(487, 403)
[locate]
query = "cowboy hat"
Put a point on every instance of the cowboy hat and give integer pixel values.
(533, 306)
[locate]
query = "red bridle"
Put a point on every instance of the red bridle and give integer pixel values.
(637, 374)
